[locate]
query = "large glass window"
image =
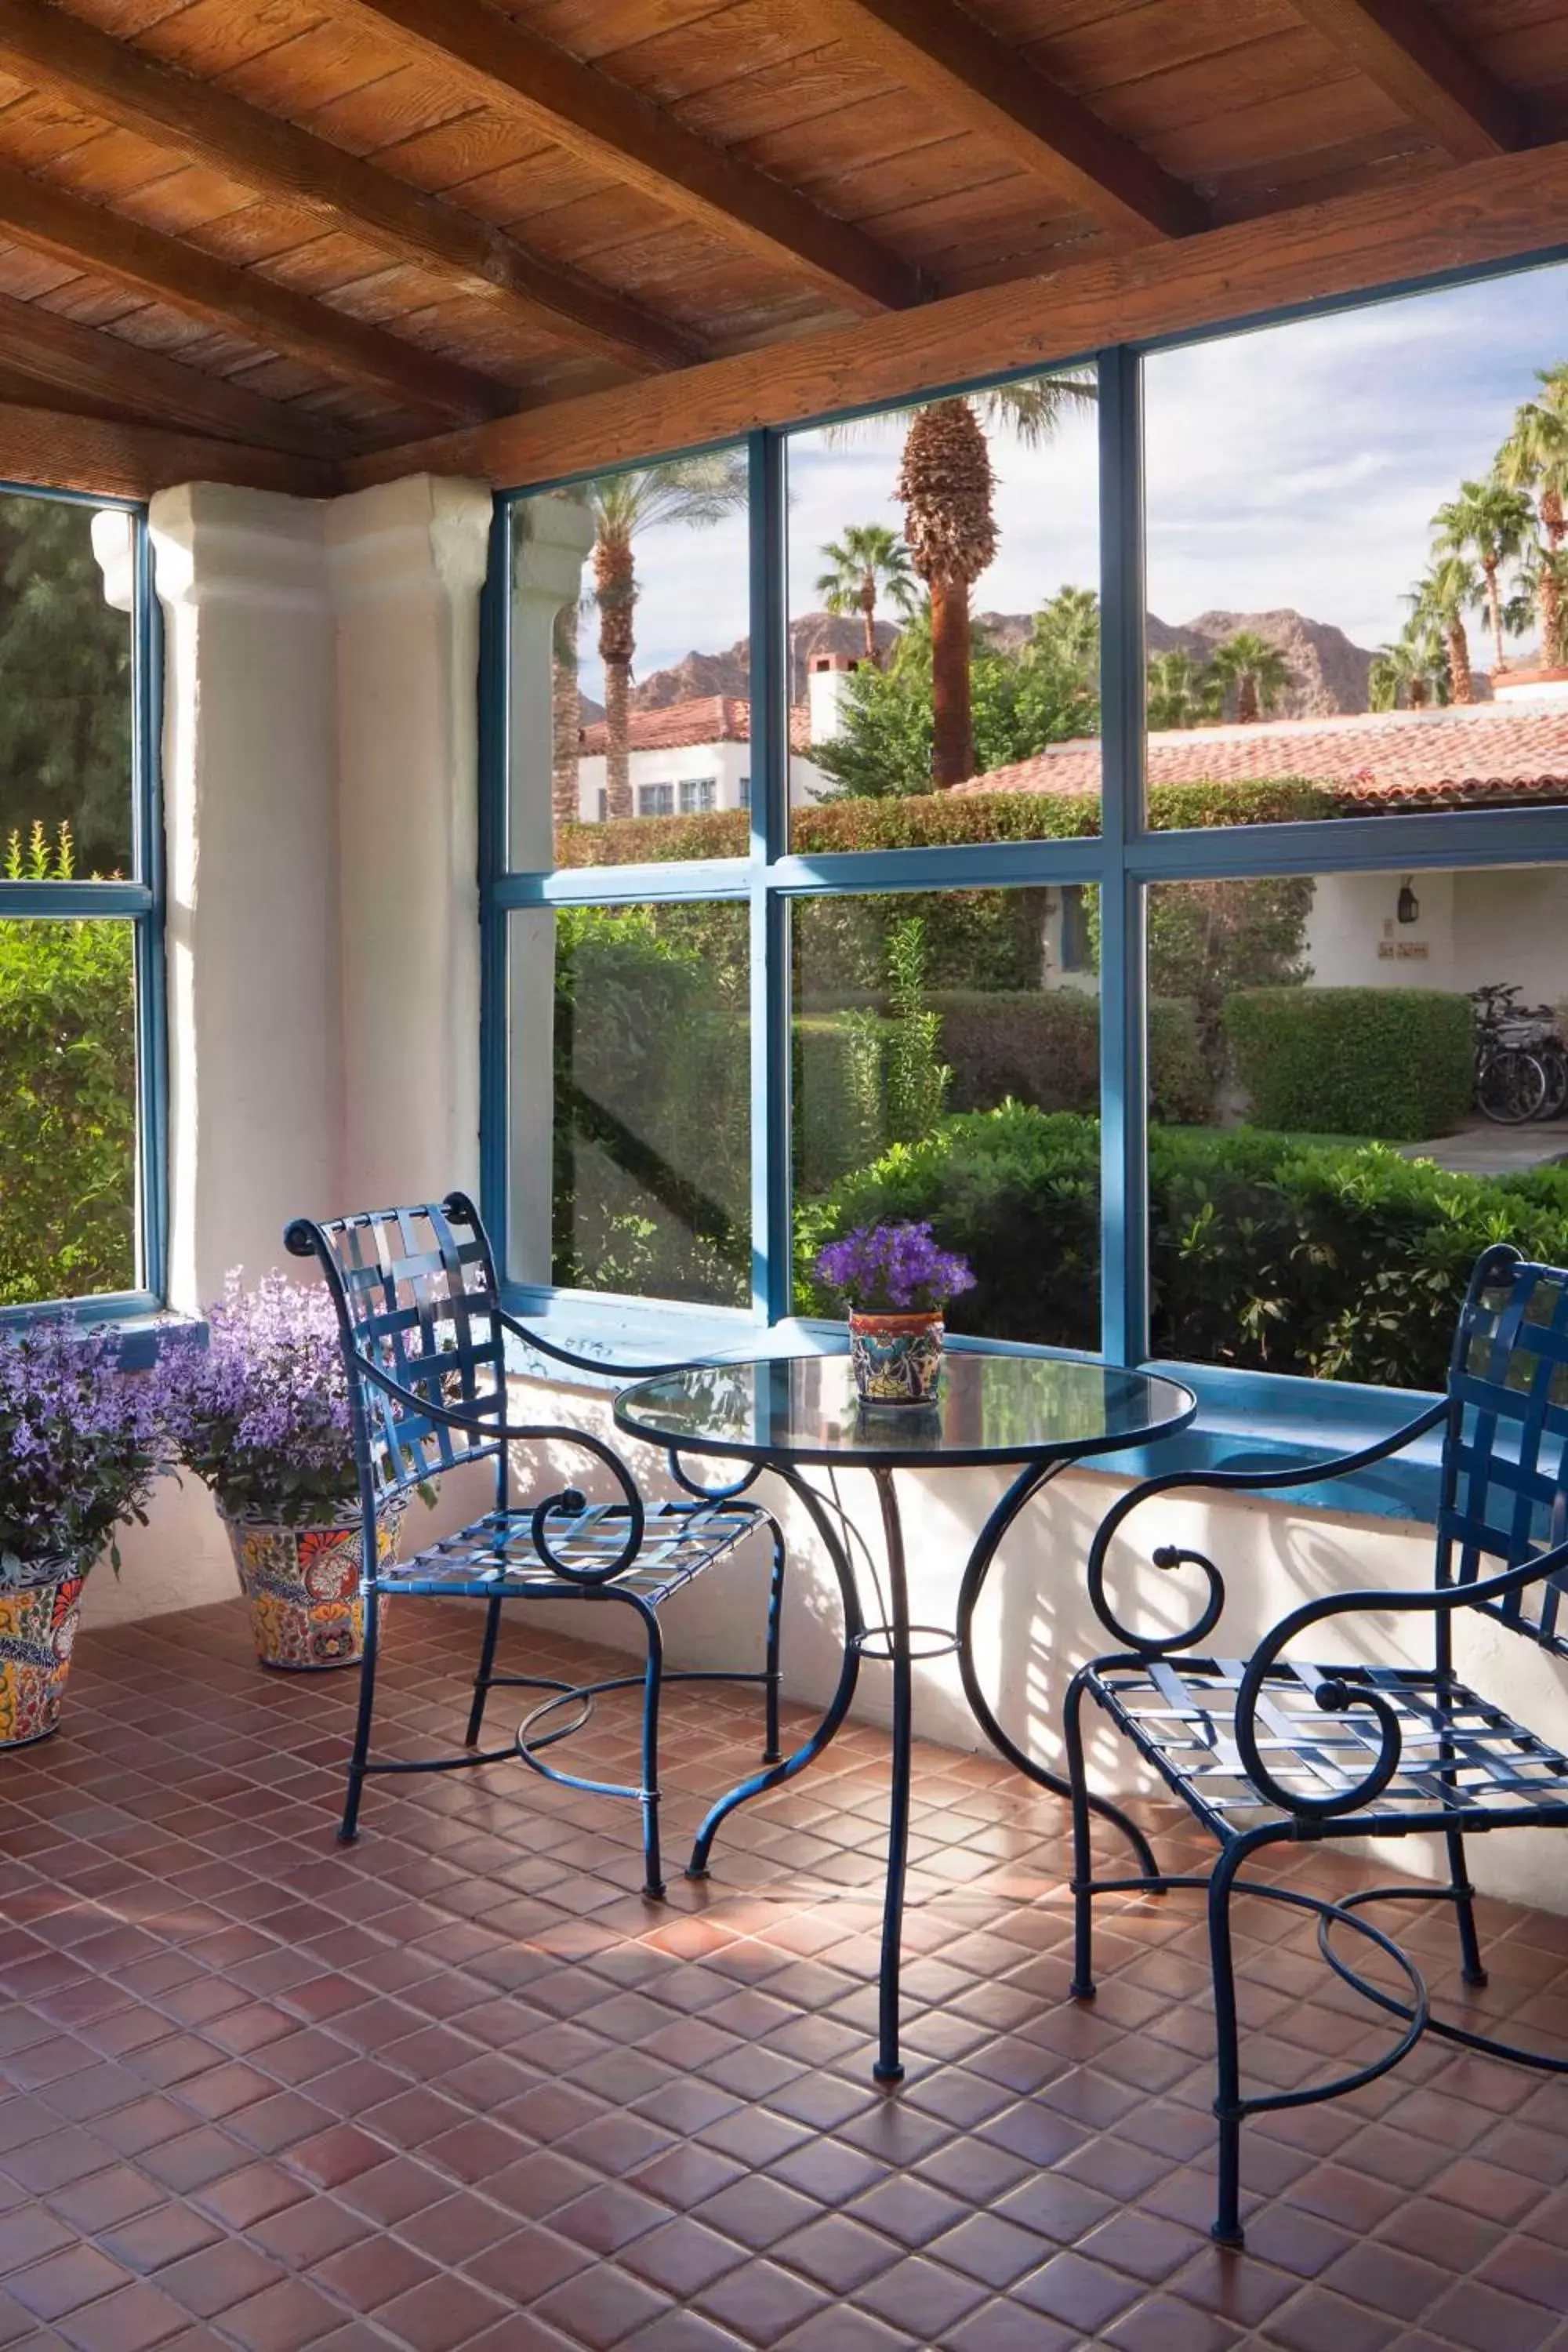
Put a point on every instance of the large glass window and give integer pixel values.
(80, 978)
(1200, 1073)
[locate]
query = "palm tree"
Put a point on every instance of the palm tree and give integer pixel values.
(1183, 692)
(699, 491)
(946, 487)
(566, 714)
(868, 563)
(1258, 670)
(1441, 598)
(1534, 459)
(1414, 662)
(1492, 523)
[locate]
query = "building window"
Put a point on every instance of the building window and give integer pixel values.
(81, 986)
(697, 794)
(656, 799)
(1300, 827)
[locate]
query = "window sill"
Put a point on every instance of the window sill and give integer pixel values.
(142, 1326)
(1247, 1420)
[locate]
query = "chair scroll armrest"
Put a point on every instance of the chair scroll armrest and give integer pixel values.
(566, 1502)
(1172, 1557)
(606, 1370)
(1335, 1695)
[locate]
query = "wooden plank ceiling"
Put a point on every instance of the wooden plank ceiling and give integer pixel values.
(284, 241)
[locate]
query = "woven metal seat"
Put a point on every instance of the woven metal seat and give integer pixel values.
(423, 1337)
(1271, 1746)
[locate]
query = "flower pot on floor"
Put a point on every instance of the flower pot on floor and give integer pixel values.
(38, 1633)
(307, 1614)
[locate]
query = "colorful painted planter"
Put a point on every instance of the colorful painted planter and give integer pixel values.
(37, 1633)
(302, 1583)
(897, 1357)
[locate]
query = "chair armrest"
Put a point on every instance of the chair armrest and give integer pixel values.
(1173, 1557)
(568, 1501)
(1335, 1696)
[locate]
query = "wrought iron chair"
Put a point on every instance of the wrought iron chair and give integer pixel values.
(423, 1339)
(1270, 1748)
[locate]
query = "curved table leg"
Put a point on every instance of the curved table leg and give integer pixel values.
(839, 1705)
(890, 2066)
(1023, 1488)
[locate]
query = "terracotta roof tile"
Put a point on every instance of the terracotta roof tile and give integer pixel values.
(708, 719)
(1390, 759)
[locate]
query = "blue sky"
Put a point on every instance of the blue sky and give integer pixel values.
(1299, 465)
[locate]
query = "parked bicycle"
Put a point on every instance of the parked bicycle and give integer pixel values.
(1522, 1059)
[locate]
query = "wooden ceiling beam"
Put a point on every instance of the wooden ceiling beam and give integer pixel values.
(108, 457)
(277, 158)
(62, 356)
(644, 148)
(166, 269)
(1497, 211)
(947, 56)
(1406, 49)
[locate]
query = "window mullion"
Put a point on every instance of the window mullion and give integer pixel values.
(770, 994)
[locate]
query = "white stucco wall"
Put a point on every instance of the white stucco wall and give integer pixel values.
(1509, 924)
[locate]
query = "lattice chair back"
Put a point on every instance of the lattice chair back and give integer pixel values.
(415, 1292)
(1505, 1456)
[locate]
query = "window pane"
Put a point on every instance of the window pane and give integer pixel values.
(631, 1100)
(68, 1110)
(946, 1066)
(1355, 562)
(944, 630)
(631, 664)
(66, 769)
(1322, 1175)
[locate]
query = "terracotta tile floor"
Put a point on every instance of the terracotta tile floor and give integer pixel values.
(460, 2086)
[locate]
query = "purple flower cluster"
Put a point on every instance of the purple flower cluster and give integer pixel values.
(261, 1412)
(81, 1444)
(893, 1270)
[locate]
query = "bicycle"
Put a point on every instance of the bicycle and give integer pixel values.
(1521, 1063)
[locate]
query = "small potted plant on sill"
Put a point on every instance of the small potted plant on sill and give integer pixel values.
(261, 1415)
(81, 1444)
(895, 1282)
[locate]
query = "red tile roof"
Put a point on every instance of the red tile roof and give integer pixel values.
(1393, 758)
(708, 719)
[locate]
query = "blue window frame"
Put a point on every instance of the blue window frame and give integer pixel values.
(137, 898)
(1125, 861)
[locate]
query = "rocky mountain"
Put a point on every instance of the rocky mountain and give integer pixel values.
(1331, 672)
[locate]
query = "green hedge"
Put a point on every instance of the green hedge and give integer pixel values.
(1341, 1261)
(1043, 1047)
(1394, 1062)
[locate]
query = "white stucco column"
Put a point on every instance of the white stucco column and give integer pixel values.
(254, 1040)
(550, 538)
(406, 562)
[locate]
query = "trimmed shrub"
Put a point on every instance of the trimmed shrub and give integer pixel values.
(1391, 1063)
(1043, 1047)
(1341, 1261)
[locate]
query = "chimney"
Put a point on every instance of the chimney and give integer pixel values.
(825, 677)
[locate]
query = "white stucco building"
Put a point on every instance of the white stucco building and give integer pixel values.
(690, 757)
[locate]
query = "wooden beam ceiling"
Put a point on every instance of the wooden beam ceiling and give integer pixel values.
(601, 120)
(128, 460)
(1479, 213)
(1409, 52)
(62, 355)
(947, 56)
(167, 269)
(200, 121)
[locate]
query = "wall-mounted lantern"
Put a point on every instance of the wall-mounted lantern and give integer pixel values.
(1409, 904)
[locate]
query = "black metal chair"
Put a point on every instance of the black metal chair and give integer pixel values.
(1270, 1748)
(423, 1339)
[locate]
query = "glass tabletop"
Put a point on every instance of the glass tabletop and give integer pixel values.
(989, 1408)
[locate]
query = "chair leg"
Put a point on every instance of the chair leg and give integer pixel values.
(485, 1669)
(1082, 1854)
(1465, 1910)
(348, 1829)
(653, 1684)
(1227, 2106)
(770, 1750)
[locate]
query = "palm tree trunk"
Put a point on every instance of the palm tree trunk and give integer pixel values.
(1416, 692)
(868, 618)
(953, 721)
(565, 711)
(1247, 711)
(1459, 662)
(615, 582)
(1494, 606)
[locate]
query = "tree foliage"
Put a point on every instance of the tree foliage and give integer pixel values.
(65, 687)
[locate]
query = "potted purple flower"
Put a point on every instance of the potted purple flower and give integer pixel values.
(81, 1445)
(261, 1415)
(895, 1282)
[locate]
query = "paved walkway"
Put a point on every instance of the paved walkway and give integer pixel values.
(1481, 1148)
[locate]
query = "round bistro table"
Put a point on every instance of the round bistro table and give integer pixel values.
(999, 1409)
